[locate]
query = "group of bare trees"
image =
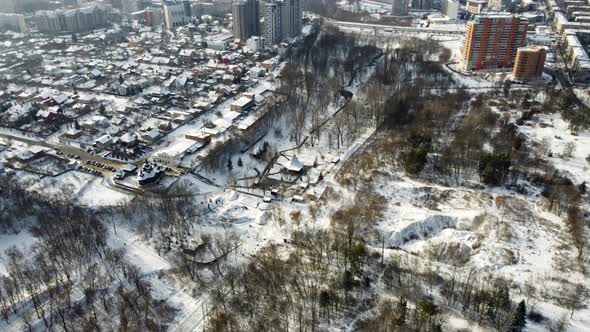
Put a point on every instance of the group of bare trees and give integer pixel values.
(168, 217)
(313, 280)
(427, 132)
(207, 262)
(316, 76)
(17, 205)
(70, 279)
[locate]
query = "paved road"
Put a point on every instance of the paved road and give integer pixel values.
(392, 28)
(66, 149)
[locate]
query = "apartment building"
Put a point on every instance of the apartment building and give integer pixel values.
(450, 8)
(491, 42)
(246, 19)
(399, 8)
(176, 13)
(73, 20)
(283, 20)
(497, 5)
(576, 55)
(529, 63)
(476, 7)
(292, 18)
(13, 22)
(151, 16)
(422, 4)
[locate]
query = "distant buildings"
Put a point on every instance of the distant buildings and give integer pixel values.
(129, 6)
(151, 16)
(255, 43)
(13, 22)
(450, 8)
(283, 20)
(422, 4)
(246, 19)
(476, 7)
(576, 55)
(497, 5)
(529, 63)
(491, 42)
(176, 13)
(573, 43)
(399, 8)
(8, 6)
(19, 6)
(73, 20)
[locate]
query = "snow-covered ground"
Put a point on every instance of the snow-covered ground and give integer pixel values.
(22, 240)
(87, 189)
(553, 133)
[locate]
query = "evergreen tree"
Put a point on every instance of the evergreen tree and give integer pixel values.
(582, 188)
(240, 163)
(519, 318)
(402, 312)
(230, 166)
(493, 168)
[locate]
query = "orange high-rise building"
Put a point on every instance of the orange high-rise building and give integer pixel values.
(529, 63)
(491, 42)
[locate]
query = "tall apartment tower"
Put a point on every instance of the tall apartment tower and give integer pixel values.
(246, 15)
(491, 42)
(273, 31)
(399, 8)
(529, 64)
(292, 18)
(283, 20)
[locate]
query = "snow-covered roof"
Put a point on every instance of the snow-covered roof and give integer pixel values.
(295, 165)
(128, 138)
(104, 139)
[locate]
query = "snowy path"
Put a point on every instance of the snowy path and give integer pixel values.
(195, 321)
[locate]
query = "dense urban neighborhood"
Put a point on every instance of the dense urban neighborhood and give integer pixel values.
(294, 165)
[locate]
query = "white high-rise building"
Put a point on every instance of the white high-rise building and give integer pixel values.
(450, 8)
(13, 22)
(283, 20)
(176, 14)
(255, 43)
